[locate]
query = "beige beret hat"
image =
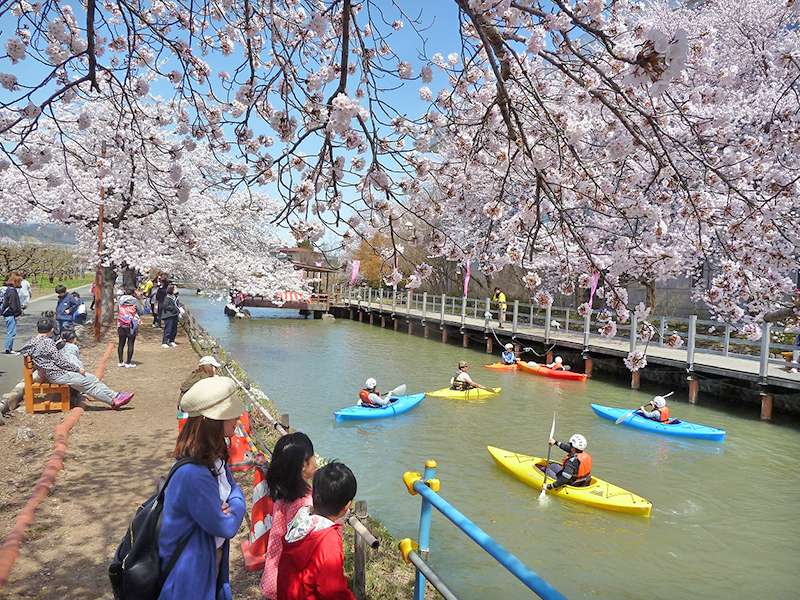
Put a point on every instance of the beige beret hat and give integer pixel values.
(213, 398)
(209, 360)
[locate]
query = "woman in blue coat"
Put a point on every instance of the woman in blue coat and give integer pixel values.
(202, 502)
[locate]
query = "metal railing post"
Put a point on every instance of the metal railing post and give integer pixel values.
(394, 302)
(515, 317)
(369, 297)
(441, 314)
(463, 311)
(634, 324)
(408, 304)
(690, 343)
(662, 324)
(424, 305)
(587, 325)
(765, 339)
(380, 300)
(487, 314)
(566, 321)
(727, 346)
(547, 313)
(424, 532)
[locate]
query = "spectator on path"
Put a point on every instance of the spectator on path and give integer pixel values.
(80, 312)
(500, 298)
(147, 293)
(65, 307)
(55, 368)
(312, 561)
(170, 311)
(11, 309)
(25, 293)
(161, 294)
(208, 368)
(289, 483)
(128, 322)
(202, 503)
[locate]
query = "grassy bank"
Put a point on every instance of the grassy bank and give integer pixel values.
(42, 287)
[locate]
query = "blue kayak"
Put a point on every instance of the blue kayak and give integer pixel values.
(675, 427)
(361, 413)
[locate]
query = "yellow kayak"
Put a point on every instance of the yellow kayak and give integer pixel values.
(471, 394)
(598, 493)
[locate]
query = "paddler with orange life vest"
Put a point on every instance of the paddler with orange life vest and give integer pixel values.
(557, 364)
(461, 381)
(661, 412)
(370, 396)
(577, 468)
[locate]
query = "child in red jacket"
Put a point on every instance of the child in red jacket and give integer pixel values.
(312, 561)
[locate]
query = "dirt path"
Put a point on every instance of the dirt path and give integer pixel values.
(113, 461)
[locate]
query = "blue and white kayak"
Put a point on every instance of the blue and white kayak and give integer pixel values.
(676, 427)
(361, 413)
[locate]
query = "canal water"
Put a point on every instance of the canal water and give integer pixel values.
(725, 515)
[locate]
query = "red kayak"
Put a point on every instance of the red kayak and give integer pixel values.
(537, 369)
(502, 366)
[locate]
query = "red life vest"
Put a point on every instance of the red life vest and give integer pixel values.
(584, 467)
(363, 395)
(664, 412)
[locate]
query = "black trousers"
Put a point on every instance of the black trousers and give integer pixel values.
(125, 335)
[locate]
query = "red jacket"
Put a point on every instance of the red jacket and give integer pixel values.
(312, 568)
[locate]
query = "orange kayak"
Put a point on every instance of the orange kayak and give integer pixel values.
(499, 365)
(537, 369)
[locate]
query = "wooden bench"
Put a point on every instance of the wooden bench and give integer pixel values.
(32, 388)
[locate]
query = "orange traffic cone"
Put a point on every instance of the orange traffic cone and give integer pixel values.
(240, 445)
(255, 548)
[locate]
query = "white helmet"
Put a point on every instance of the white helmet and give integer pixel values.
(578, 442)
(509, 346)
(559, 360)
(659, 402)
(371, 384)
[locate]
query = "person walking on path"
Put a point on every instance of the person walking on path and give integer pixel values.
(25, 293)
(169, 311)
(202, 504)
(161, 294)
(65, 307)
(11, 309)
(127, 325)
(80, 312)
(47, 358)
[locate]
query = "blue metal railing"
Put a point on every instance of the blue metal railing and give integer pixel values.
(427, 488)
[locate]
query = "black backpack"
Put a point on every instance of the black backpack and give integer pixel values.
(135, 572)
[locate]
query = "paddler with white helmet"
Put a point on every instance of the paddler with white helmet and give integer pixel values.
(577, 467)
(661, 412)
(508, 356)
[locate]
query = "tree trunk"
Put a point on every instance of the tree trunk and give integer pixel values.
(129, 277)
(107, 295)
(650, 298)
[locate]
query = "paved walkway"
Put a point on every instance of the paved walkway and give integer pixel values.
(734, 366)
(11, 366)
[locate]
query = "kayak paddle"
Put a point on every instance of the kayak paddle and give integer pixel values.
(398, 391)
(628, 414)
(547, 462)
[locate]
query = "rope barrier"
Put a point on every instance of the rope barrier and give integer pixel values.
(9, 552)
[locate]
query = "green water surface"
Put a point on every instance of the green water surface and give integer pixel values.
(724, 521)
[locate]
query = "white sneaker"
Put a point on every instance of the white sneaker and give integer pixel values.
(165, 345)
(121, 365)
(130, 366)
(173, 344)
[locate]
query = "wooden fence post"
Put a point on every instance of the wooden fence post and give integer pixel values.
(360, 556)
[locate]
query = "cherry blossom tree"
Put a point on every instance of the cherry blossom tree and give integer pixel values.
(628, 140)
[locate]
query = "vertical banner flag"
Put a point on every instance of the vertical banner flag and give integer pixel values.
(466, 280)
(594, 287)
(354, 272)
